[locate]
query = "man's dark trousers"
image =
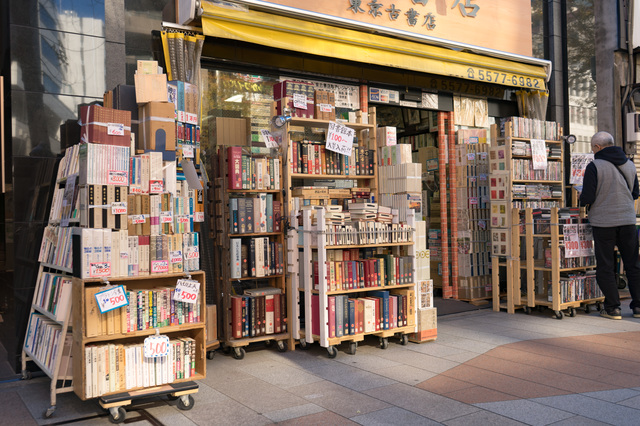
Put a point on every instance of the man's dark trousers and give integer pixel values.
(626, 238)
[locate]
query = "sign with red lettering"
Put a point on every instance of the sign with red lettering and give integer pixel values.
(186, 291)
(112, 298)
(156, 346)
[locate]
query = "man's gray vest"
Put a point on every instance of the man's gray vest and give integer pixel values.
(614, 204)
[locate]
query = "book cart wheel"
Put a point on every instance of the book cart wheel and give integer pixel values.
(384, 342)
(304, 345)
(238, 353)
(186, 402)
(527, 310)
(332, 352)
(26, 375)
(50, 411)
(587, 309)
(282, 346)
(572, 312)
(117, 414)
(353, 346)
(211, 354)
(404, 339)
(559, 314)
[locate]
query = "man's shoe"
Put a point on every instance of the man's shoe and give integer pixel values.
(636, 312)
(613, 314)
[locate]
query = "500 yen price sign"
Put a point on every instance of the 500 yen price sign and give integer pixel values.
(156, 346)
(186, 291)
(340, 138)
(111, 299)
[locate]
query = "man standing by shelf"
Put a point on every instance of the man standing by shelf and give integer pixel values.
(610, 187)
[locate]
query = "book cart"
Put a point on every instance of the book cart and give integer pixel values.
(513, 182)
(93, 329)
(244, 325)
(48, 341)
(318, 238)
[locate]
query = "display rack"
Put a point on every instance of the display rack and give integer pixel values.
(230, 287)
(85, 316)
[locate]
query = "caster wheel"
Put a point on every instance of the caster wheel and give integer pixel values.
(404, 339)
(238, 353)
(282, 346)
(50, 411)
(559, 314)
(332, 352)
(26, 375)
(268, 343)
(622, 282)
(211, 354)
(527, 310)
(186, 402)
(304, 345)
(587, 309)
(117, 415)
(384, 342)
(573, 312)
(226, 349)
(353, 346)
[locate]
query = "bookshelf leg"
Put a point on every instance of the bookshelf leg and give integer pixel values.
(50, 411)
(26, 374)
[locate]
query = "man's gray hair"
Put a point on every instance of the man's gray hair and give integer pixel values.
(602, 139)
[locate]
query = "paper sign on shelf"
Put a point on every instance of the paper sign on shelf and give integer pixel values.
(117, 177)
(187, 291)
(100, 269)
(137, 218)
(166, 217)
(156, 186)
(198, 216)
(119, 207)
(115, 129)
(571, 241)
(134, 189)
(159, 266)
(175, 256)
(340, 138)
(300, 100)
(183, 219)
(192, 252)
(268, 139)
(187, 151)
(539, 154)
(156, 346)
(112, 298)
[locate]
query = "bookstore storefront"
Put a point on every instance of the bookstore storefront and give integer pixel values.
(417, 62)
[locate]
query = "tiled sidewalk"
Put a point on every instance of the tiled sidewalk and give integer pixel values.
(485, 368)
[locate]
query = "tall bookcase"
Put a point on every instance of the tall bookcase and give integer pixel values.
(247, 293)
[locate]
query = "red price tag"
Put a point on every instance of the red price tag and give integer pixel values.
(115, 129)
(135, 190)
(198, 217)
(187, 151)
(166, 217)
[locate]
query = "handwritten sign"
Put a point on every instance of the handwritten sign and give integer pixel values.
(539, 154)
(187, 151)
(300, 100)
(571, 241)
(175, 256)
(268, 139)
(585, 233)
(156, 186)
(100, 269)
(137, 218)
(119, 207)
(192, 252)
(112, 298)
(340, 138)
(579, 163)
(166, 217)
(117, 177)
(156, 346)
(115, 129)
(159, 266)
(183, 219)
(134, 189)
(198, 217)
(187, 291)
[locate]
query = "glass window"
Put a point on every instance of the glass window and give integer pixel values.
(537, 28)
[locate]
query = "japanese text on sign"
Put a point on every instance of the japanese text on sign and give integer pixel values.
(187, 151)
(198, 216)
(186, 291)
(579, 162)
(166, 217)
(100, 269)
(300, 100)
(340, 138)
(111, 299)
(539, 154)
(268, 139)
(156, 186)
(156, 346)
(585, 234)
(119, 207)
(571, 241)
(159, 266)
(192, 252)
(118, 177)
(175, 256)
(115, 129)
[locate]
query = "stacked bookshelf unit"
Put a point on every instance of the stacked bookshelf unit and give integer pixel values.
(48, 342)
(248, 294)
(513, 183)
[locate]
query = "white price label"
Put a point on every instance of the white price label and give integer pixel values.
(166, 217)
(571, 241)
(156, 186)
(198, 217)
(300, 100)
(473, 201)
(538, 154)
(133, 189)
(175, 256)
(182, 116)
(187, 151)
(483, 155)
(159, 266)
(115, 129)
(156, 346)
(191, 118)
(340, 138)
(268, 139)
(137, 218)
(111, 299)
(183, 219)
(119, 207)
(325, 107)
(193, 252)
(118, 177)
(186, 291)
(100, 269)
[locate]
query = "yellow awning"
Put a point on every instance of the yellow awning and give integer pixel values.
(325, 40)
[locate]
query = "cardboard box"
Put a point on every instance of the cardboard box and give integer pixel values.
(151, 88)
(157, 128)
(212, 324)
(427, 320)
(105, 125)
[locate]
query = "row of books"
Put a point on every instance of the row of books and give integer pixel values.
(379, 310)
(55, 248)
(380, 271)
(400, 178)
(574, 288)
(521, 148)
(68, 163)
(255, 214)
(313, 158)
(246, 171)
(532, 191)
(535, 204)
(523, 169)
(256, 257)
(146, 309)
(114, 368)
(103, 252)
(366, 232)
(533, 129)
(104, 164)
(403, 202)
(394, 154)
(54, 294)
(257, 314)
(42, 338)
(567, 262)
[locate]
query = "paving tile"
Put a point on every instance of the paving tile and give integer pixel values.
(616, 395)
(594, 409)
(170, 415)
(579, 420)
(482, 418)
(471, 345)
(461, 357)
(320, 419)
(367, 362)
(20, 415)
(633, 402)
(421, 402)
(225, 413)
(527, 411)
(271, 397)
(338, 399)
(477, 394)
(406, 374)
(279, 374)
(442, 384)
(293, 412)
(393, 415)
(435, 349)
(419, 360)
(352, 377)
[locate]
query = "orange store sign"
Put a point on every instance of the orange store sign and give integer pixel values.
(503, 25)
